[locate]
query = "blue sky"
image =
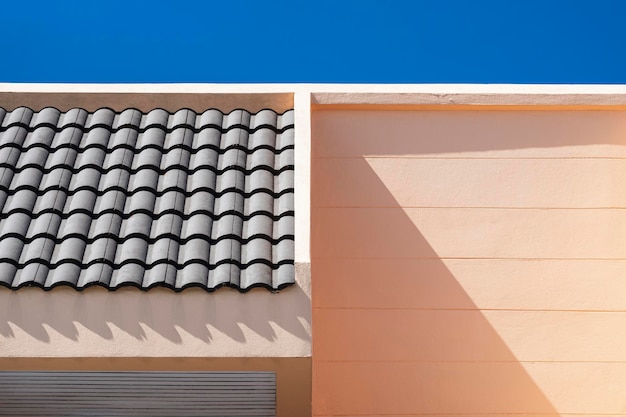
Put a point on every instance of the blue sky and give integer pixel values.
(412, 41)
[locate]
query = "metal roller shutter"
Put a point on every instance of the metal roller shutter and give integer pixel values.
(210, 394)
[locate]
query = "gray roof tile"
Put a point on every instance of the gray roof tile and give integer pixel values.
(159, 199)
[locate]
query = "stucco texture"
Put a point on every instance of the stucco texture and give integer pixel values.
(157, 323)
(468, 263)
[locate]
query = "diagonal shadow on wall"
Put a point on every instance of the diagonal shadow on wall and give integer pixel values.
(394, 330)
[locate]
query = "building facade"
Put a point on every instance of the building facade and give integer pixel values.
(457, 251)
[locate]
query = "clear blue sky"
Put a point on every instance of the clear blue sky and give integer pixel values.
(412, 41)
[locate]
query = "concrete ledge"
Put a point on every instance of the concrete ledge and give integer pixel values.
(445, 101)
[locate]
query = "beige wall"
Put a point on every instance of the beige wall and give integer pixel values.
(293, 375)
(157, 323)
(468, 263)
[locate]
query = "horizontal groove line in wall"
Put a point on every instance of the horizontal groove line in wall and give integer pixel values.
(546, 414)
(451, 258)
(469, 158)
(476, 309)
(467, 361)
(471, 207)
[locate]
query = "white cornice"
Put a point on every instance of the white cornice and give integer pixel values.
(371, 94)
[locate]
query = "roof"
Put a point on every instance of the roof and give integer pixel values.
(174, 199)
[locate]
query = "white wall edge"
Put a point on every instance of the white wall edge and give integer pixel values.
(302, 186)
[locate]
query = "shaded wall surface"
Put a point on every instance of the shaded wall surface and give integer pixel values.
(468, 263)
(157, 323)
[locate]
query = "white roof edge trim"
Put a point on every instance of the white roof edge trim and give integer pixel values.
(525, 89)
(372, 94)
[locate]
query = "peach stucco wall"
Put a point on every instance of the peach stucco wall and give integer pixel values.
(468, 263)
(157, 323)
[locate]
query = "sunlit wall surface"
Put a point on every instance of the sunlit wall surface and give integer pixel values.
(468, 263)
